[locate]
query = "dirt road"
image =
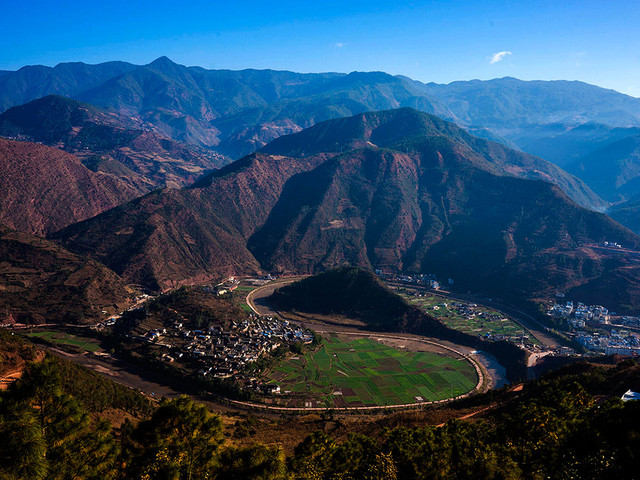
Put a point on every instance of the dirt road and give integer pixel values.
(257, 299)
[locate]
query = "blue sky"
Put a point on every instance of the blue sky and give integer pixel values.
(593, 41)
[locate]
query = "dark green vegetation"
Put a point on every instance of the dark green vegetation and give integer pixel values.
(349, 291)
(110, 144)
(398, 190)
(359, 294)
(48, 433)
(555, 430)
(348, 373)
(82, 344)
(40, 282)
(92, 391)
(569, 424)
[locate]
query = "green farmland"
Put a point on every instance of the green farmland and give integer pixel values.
(240, 295)
(363, 372)
(62, 339)
(483, 321)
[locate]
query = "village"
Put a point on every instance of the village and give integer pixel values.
(577, 314)
(227, 351)
(591, 327)
(616, 342)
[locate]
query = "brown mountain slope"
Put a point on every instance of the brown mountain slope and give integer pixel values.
(399, 129)
(40, 282)
(171, 237)
(109, 143)
(432, 211)
(45, 189)
(425, 202)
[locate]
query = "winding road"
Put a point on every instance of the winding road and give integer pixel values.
(257, 301)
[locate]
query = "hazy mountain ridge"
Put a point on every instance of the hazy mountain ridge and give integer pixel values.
(510, 102)
(613, 171)
(110, 143)
(31, 82)
(627, 213)
(240, 111)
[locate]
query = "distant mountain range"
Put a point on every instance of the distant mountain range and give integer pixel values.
(605, 157)
(628, 213)
(240, 111)
(68, 79)
(109, 143)
(398, 190)
(334, 168)
(235, 113)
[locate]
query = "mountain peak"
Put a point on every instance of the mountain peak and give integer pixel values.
(163, 61)
(382, 129)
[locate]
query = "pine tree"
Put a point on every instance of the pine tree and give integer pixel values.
(180, 441)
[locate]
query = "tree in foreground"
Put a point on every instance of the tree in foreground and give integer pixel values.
(181, 441)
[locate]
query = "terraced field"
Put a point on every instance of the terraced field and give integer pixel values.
(348, 372)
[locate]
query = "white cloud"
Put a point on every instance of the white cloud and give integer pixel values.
(497, 57)
(339, 44)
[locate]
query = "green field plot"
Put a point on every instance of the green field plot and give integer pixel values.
(246, 288)
(59, 338)
(363, 372)
(483, 321)
(240, 295)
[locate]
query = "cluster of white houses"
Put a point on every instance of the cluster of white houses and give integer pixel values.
(617, 342)
(577, 314)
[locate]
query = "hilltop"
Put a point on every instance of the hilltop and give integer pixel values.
(349, 291)
(404, 129)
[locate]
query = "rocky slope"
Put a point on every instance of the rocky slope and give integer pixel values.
(397, 190)
(40, 282)
(45, 189)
